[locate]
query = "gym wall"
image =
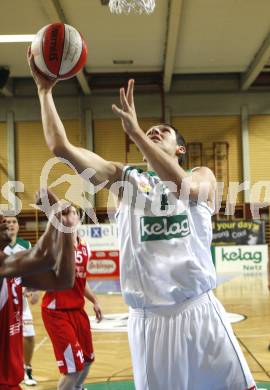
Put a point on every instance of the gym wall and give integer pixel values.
(3, 157)
(31, 154)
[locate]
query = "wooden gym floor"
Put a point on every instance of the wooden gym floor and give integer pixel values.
(244, 295)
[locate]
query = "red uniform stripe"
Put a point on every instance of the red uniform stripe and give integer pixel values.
(53, 46)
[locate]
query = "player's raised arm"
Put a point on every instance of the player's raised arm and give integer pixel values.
(62, 274)
(164, 163)
(57, 141)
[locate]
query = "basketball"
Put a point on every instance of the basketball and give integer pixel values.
(59, 51)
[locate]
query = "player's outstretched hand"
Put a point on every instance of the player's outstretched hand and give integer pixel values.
(98, 312)
(127, 112)
(45, 192)
(4, 237)
(43, 83)
(49, 203)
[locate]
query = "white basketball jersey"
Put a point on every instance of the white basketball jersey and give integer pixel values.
(165, 255)
(20, 245)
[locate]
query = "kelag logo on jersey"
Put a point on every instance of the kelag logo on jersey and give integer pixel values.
(164, 228)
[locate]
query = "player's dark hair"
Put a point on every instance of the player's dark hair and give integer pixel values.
(180, 142)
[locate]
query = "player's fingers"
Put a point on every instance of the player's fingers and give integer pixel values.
(99, 316)
(31, 62)
(124, 102)
(122, 92)
(118, 112)
(130, 92)
(28, 53)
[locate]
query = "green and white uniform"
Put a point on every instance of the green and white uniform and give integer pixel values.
(28, 327)
(179, 336)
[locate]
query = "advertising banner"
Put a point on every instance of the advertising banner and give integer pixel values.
(238, 232)
(103, 243)
(242, 260)
(103, 264)
(100, 237)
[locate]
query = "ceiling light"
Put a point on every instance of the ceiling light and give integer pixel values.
(16, 38)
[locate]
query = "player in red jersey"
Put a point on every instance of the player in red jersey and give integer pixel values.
(68, 324)
(51, 256)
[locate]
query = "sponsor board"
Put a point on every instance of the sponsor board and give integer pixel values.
(238, 232)
(100, 237)
(244, 259)
(263, 385)
(103, 264)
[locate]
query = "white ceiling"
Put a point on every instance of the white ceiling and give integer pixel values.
(220, 35)
(214, 35)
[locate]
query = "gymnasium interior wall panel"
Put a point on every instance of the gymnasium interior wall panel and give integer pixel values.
(31, 155)
(221, 130)
(3, 158)
(259, 151)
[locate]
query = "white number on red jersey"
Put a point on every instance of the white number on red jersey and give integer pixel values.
(14, 293)
(80, 356)
(79, 257)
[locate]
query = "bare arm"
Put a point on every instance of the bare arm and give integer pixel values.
(57, 141)
(88, 293)
(4, 237)
(49, 264)
(61, 249)
(25, 262)
(201, 181)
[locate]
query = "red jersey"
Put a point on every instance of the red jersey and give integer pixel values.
(11, 340)
(72, 298)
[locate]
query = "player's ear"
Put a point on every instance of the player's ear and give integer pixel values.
(180, 149)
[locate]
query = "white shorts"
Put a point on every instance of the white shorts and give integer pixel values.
(188, 347)
(28, 326)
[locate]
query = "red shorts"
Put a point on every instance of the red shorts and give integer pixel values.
(7, 387)
(71, 337)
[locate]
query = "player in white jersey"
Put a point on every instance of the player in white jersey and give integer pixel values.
(179, 336)
(17, 245)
